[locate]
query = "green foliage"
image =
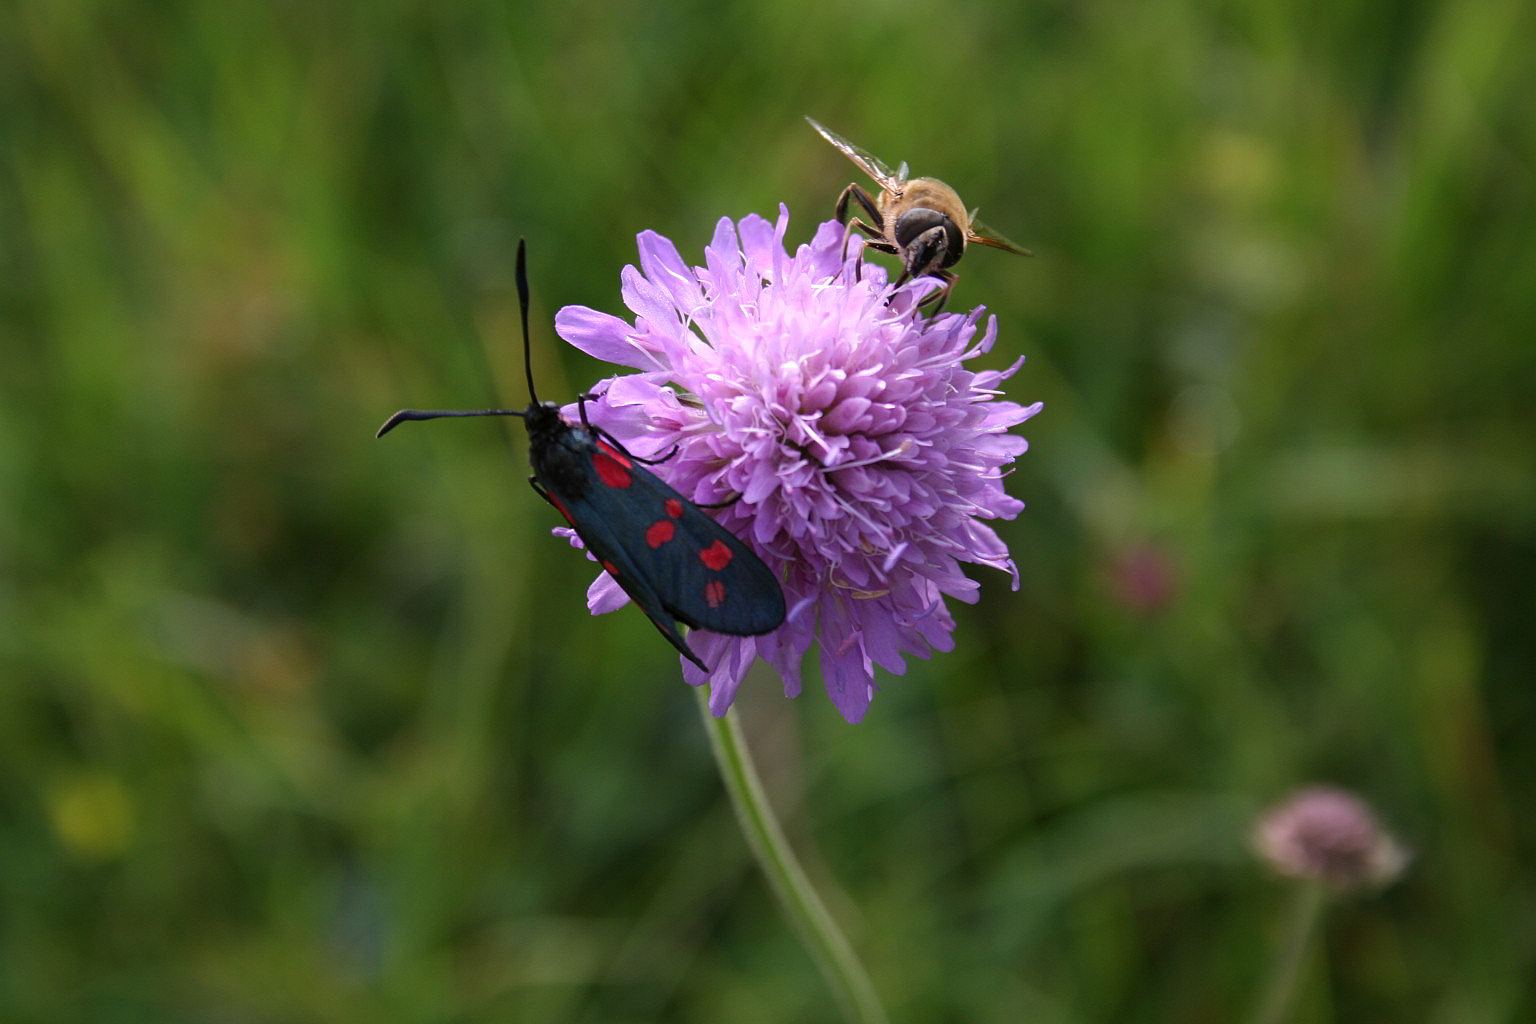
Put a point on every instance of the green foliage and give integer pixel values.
(299, 726)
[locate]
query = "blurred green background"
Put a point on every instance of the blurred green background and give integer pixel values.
(300, 726)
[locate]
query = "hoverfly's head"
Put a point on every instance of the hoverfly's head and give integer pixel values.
(930, 241)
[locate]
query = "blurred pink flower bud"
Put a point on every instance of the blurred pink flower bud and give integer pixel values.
(1331, 835)
(1143, 578)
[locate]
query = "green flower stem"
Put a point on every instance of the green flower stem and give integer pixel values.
(1306, 912)
(827, 945)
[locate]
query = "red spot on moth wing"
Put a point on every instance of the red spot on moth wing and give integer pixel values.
(674, 508)
(614, 453)
(611, 569)
(714, 593)
(659, 532)
(717, 556)
(612, 468)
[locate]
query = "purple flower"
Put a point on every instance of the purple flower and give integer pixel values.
(863, 457)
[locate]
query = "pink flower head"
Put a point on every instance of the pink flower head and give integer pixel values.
(859, 457)
(1330, 835)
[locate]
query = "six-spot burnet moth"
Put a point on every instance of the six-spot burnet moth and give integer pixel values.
(673, 561)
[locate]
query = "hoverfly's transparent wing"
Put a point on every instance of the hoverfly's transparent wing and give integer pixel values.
(869, 163)
(981, 234)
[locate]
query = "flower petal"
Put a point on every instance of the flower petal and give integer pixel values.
(664, 268)
(600, 335)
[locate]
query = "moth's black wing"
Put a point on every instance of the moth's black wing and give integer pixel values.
(706, 576)
(668, 555)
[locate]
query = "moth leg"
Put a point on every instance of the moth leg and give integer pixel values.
(538, 489)
(654, 462)
(581, 407)
(618, 446)
(615, 443)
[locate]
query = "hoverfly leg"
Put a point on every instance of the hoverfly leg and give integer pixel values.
(873, 242)
(938, 296)
(866, 203)
(942, 294)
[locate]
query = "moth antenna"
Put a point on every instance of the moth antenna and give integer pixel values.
(436, 414)
(522, 299)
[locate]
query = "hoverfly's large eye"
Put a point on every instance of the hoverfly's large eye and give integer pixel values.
(919, 220)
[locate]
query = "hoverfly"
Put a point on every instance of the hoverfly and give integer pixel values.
(921, 220)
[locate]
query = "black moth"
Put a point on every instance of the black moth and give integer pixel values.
(673, 561)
